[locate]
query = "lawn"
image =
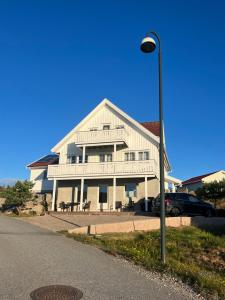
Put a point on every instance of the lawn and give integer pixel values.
(193, 255)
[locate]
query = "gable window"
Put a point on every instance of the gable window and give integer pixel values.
(129, 156)
(119, 126)
(106, 127)
(144, 155)
(131, 190)
(93, 129)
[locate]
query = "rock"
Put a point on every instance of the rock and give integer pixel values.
(39, 210)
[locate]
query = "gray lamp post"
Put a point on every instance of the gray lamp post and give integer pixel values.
(148, 45)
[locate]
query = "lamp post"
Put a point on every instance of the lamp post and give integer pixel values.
(148, 45)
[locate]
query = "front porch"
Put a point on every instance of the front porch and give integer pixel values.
(104, 194)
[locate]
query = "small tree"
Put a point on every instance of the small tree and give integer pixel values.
(212, 191)
(18, 194)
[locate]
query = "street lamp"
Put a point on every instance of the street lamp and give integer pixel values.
(148, 45)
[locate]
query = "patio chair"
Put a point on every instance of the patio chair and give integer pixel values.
(62, 205)
(118, 205)
(87, 205)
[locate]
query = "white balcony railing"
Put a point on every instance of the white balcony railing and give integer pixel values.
(101, 136)
(119, 168)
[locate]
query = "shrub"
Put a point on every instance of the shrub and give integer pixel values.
(18, 194)
(212, 191)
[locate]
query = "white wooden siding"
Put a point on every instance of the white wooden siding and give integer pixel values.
(136, 139)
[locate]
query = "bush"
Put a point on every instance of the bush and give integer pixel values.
(212, 191)
(18, 194)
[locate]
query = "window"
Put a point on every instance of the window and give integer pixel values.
(93, 129)
(143, 155)
(44, 174)
(193, 199)
(129, 156)
(101, 157)
(119, 126)
(71, 159)
(106, 127)
(131, 190)
(109, 157)
(103, 193)
(105, 157)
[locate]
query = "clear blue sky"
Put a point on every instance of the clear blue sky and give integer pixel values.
(58, 59)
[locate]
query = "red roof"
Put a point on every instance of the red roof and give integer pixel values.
(50, 159)
(197, 178)
(153, 127)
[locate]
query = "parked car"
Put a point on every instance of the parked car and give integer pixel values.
(10, 208)
(183, 203)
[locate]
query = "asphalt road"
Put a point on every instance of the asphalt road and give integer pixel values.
(31, 257)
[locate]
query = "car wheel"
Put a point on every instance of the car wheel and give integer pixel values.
(208, 213)
(175, 212)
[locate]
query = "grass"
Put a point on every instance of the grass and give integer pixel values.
(193, 255)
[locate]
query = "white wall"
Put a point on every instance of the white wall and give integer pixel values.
(40, 184)
(137, 140)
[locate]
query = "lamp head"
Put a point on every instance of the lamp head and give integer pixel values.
(148, 44)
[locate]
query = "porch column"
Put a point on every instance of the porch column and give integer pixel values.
(146, 193)
(114, 153)
(83, 155)
(54, 194)
(81, 193)
(114, 193)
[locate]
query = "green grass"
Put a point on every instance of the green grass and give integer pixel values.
(194, 255)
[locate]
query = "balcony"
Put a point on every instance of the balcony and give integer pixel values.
(106, 169)
(101, 136)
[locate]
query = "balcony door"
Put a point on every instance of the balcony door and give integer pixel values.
(103, 197)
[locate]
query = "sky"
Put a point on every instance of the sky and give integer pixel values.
(59, 59)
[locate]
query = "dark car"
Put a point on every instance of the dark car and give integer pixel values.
(10, 208)
(182, 203)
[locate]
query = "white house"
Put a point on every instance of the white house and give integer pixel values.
(107, 160)
(192, 184)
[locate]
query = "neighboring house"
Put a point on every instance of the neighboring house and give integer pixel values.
(192, 184)
(108, 158)
(39, 171)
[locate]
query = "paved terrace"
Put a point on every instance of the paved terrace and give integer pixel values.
(58, 222)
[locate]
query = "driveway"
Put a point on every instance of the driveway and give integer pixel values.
(31, 257)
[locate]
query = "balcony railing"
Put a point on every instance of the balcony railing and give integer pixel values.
(101, 136)
(119, 168)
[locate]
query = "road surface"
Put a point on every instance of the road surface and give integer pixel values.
(31, 257)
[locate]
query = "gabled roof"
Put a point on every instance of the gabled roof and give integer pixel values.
(50, 159)
(153, 127)
(197, 178)
(108, 103)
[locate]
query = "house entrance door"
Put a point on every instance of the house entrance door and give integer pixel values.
(103, 197)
